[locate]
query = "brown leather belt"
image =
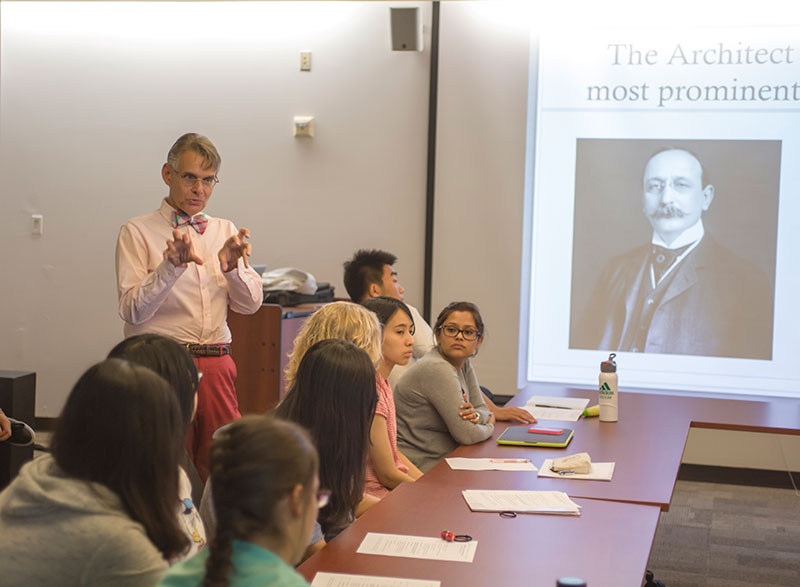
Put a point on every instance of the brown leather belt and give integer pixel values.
(209, 350)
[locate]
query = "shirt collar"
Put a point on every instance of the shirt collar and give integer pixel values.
(692, 234)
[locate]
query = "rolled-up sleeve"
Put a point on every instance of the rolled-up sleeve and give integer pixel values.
(245, 289)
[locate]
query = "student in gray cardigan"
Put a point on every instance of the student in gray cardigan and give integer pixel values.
(438, 400)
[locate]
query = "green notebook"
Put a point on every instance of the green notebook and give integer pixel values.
(519, 436)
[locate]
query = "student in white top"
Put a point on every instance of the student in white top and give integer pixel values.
(371, 273)
(173, 362)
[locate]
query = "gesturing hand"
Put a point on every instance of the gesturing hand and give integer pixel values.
(180, 250)
(234, 248)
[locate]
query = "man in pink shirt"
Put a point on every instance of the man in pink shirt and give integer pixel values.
(178, 270)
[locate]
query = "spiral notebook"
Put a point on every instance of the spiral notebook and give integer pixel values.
(519, 436)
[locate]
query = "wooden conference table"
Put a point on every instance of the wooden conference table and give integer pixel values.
(608, 545)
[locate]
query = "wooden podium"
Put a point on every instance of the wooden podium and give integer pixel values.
(260, 348)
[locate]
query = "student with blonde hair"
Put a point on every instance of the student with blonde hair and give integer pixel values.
(343, 320)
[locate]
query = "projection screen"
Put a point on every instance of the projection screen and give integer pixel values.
(688, 139)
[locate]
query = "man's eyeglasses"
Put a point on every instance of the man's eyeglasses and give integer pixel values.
(323, 497)
(467, 333)
(189, 179)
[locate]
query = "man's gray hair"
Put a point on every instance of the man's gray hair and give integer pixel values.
(197, 143)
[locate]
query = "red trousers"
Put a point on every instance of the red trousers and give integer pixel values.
(216, 406)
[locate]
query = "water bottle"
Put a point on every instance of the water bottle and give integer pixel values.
(609, 398)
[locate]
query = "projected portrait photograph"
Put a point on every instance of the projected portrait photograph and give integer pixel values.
(674, 246)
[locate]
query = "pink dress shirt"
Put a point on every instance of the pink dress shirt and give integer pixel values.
(189, 304)
(386, 409)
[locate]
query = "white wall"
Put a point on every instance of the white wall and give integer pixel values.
(93, 94)
(483, 88)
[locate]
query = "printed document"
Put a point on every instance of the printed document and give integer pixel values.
(526, 502)
(342, 580)
(544, 407)
(417, 547)
(498, 464)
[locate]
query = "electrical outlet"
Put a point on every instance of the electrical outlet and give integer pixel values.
(305, 60)
(37, 222)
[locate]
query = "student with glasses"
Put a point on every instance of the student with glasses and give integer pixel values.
(438, 400)
(266, 497)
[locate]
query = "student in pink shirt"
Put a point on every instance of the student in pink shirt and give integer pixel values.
(387, 467)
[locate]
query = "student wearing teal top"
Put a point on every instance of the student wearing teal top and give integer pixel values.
(266, 498)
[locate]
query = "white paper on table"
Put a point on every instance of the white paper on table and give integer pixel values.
(343, 580)
(526, 502)
(498, 464)
(599, 472)
(417, 547)
(570, 403)
(565, 414)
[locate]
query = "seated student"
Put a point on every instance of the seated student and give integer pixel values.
(100, 509)
(267, 496)
(387, 467)
(342, 320)
(319, 404)
(333, 396)
(369, 274)
(172, 361)
(439, 402)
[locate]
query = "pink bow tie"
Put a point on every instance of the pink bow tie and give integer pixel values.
(199, 221)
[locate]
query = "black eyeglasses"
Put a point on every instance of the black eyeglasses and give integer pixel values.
(467, 333)
(189, 179)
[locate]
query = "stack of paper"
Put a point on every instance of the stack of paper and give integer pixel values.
(526, 502)
(342, 580)
(483, 464)
(556, 408)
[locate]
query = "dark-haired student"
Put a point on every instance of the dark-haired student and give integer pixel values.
(172, 361)
(332, 403)
(439, 401)
(370, 274)
(266, 497)
(387, 467)
(334, 398)
(100, 509)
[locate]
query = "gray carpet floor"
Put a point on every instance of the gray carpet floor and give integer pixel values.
(719, 535)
